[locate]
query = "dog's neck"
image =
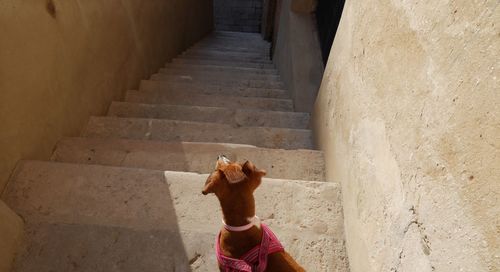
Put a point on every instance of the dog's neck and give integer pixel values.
(238, 211)
(255, 221)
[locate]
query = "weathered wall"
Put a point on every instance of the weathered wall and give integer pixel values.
(297, 55)
(56, 70)
(61, 61)
(267, 22)
(408, 115)
(11, 227)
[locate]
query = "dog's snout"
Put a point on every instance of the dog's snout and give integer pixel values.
(221, 160)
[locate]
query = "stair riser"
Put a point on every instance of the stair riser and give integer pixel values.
(224, 63)
(232, 117)
(240, 44)
(221, 48)
(248, 43)
(161, 86)
(218, 68)
(209, 52)
(196, 99)
(227, 56)
(227, 59)
(222, 82)
(167, 130)
(189, 157)
(219, 75)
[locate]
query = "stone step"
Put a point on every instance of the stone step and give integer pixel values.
(231, 48)
(189, 157)
(104, 218)
(236, 59)
(163, 86)
(224, 63)
(221, 34)
(251, 42)
(219, 68)
(218, 74)
(173, 130)
(194, 98)
(236, 37)
(235, 41)
(249, 57)
(222, 81)
(209, 51)
(233, 117)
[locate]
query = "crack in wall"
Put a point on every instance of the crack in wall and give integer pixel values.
(424, 239)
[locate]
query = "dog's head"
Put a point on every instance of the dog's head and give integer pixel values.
(233, 179)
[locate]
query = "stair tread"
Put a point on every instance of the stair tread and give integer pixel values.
(214, 67)
(226, 57)
(208, 84)
(220, 53)
(235, 49)
(225, 63)
(219, 74)
(190, 98)
(173, 130)
(168, 204)
(229, 116)
(221, 81)
(245, 61)
(189, 156)
(165, 86)
(209, 51)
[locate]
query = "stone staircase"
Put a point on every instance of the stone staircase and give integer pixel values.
(126, 195)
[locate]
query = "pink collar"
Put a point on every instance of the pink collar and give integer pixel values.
(253, 222)
(254, 260)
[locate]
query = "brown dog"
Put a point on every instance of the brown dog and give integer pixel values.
(234, 184)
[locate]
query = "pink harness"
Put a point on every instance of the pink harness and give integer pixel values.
(254, 260)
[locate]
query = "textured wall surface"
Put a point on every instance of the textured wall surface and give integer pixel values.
(61, 61)
(297, 55)
(11, 228)
(238, 15)
(409, 117)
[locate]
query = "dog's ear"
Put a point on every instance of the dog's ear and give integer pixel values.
(250, 170)
(234, 173)
(254, 175)
(212, 183)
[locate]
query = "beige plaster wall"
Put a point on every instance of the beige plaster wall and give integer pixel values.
(58, 67)
(409, 117)
(11, 228)
(62, 61)
(297, 55)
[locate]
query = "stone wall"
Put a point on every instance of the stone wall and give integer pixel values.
(62, 61)
(408, 116)
(11, 229)
(297, 55)
(238, 15)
